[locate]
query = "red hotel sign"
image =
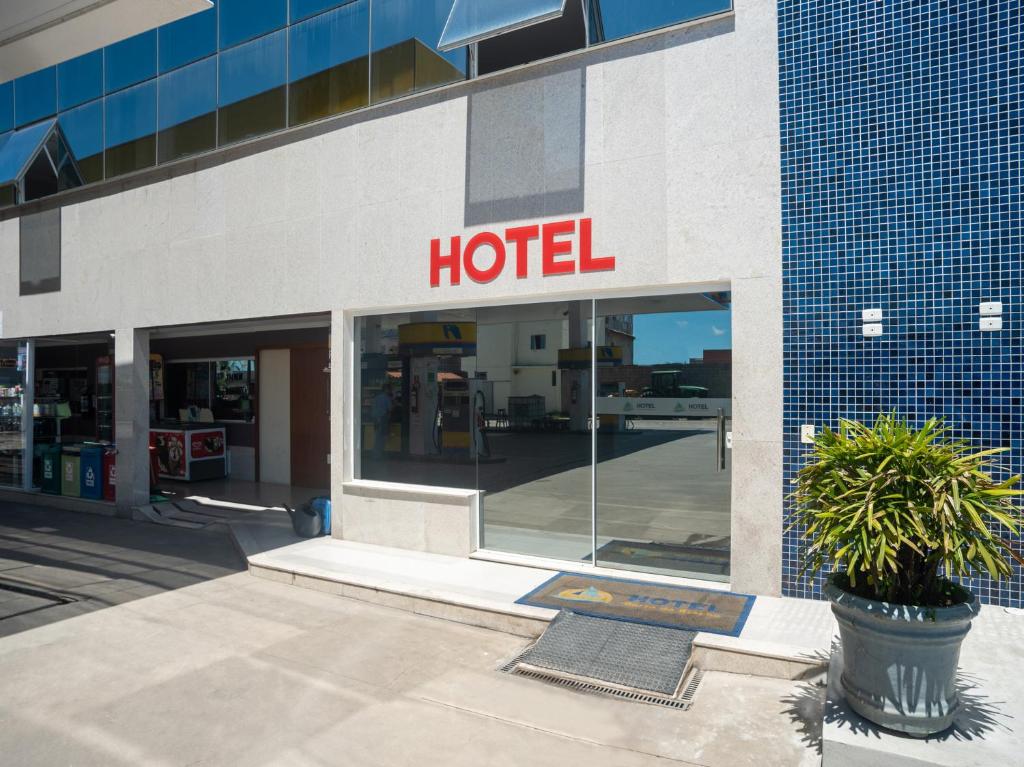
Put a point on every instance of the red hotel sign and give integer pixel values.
(565, 248)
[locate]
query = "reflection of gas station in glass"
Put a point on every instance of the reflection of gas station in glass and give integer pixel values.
(435, 403)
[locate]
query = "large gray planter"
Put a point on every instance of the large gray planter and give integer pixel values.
(899, 662)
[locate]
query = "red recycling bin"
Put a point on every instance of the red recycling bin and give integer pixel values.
(110, 474)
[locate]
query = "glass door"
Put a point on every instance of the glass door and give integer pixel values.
(664, 410)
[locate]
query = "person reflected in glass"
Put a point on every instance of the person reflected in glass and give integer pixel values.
(381, 413)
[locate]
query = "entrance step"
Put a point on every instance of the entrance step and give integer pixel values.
(782, 637)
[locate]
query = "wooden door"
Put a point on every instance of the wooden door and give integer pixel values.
(311, 417)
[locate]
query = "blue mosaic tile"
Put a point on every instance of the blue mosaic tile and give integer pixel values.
(901, 169)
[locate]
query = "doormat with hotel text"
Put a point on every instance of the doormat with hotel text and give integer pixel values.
(655, 604)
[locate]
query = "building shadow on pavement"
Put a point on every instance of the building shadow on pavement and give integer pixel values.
(59, 564)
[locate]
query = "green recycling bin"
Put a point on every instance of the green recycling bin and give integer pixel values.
(49, 469)
(71, 472)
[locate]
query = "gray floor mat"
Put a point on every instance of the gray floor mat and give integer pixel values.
(628, 654)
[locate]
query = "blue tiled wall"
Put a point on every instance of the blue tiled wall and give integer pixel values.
(901, 163)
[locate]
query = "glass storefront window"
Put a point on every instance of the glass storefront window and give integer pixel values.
(13, 418)
(80, 80)
(242, 20)
(131, 129)
(83, 128)
(474, 399)
(130, 61)
(188, 110)
(252, 89)
(329, 63)
(35, 96)
(615, 19)
(189, 39)
(403, 37)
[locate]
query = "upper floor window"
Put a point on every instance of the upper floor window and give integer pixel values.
(242, 20)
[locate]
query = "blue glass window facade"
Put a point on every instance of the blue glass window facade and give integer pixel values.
(328, 63)
(130, 61)
(6, 106)
(79, 80)
(245, 68)
(188, 110)
(188, 40)
(252, 88)
(83, 128)
(615, 19)
(130, 129)
(404, 60)
(242, 20)
(35, 96)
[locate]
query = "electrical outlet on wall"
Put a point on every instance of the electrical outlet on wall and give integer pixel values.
(807, 433)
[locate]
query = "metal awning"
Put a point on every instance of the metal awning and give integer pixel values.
(471, 21)
(40, 155)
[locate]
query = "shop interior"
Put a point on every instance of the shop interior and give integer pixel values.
(499, 400)
(239, 414)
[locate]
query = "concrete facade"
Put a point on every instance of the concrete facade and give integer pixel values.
(669, 142)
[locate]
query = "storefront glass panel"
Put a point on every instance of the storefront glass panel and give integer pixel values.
(13, 418)
(664, 406)
(535, 483)
(130, 61)
(188, 110)
(189, 39)
(500, 399)
(242, 20)
(329, 63)
(417, 382)
(252, 89)
(403, 37)
(80, 80)
(131, 129)
(83, 128)
(35, 96)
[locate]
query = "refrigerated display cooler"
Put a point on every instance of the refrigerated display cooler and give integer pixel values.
(190, 452)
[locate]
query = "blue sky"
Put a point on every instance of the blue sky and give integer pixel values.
(676, 337)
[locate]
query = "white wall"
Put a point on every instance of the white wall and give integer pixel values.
(274, 417)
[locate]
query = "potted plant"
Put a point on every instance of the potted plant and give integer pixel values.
(894, 513)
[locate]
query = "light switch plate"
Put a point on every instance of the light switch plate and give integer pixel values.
(871, 315)
(807, 433)
(990, 323)
(872, 330)
(990, 308)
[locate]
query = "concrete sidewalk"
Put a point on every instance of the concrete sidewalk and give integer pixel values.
(241, 670)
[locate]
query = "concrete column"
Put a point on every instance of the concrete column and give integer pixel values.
(131, 418)
(344, 411)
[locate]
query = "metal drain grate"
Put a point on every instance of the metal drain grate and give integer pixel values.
(682, 703)
(623, 660)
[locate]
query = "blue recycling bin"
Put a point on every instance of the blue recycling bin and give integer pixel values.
(91, 472)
